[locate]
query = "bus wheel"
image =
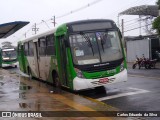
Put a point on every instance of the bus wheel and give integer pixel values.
(56, 80)
(29, 73)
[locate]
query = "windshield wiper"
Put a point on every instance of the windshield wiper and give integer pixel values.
(102, 43)
(88, 41)
(102, 39)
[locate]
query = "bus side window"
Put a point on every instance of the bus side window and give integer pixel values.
(19, 49)
(50, 45)
(31, 49)
(42, 46)
(26, 48)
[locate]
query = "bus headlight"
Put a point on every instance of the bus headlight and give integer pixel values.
(7, 58)
(122, 67)
(79, 73)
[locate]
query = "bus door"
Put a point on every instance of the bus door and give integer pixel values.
(36, 58)
(62, 61)
(21, 58)
(42, 58)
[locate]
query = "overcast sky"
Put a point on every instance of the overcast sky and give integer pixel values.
(36, 11)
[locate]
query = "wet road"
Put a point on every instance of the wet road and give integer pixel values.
(19, 93)
(140, 93)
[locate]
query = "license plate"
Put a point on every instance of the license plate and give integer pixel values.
(103, 80)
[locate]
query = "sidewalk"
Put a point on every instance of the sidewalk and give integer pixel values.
(129, 65)
(152, 73)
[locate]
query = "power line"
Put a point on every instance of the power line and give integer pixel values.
(131, 20)
(132, 3)
(137, 27)
(79, 9)
(66, 14)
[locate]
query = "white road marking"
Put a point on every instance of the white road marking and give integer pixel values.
(138, 91)
(144, 76)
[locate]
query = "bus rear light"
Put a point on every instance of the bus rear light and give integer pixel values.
(79, 73)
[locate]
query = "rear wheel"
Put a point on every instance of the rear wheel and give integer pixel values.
(147, 66)
(29, 73)
(56, 80)
(57, 83)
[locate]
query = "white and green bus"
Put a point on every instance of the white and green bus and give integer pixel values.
(77, 55)
(8, 57)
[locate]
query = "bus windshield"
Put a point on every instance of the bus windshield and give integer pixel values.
(9, 54)
(95, 47)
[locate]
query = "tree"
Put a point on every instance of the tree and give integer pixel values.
(7, 44)
(158, 3)
(156, 22)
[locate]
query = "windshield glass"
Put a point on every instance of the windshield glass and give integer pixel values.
(10, 54)
(97, 47)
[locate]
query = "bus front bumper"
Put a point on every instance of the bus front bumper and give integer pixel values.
(11, 64)
(82, 83)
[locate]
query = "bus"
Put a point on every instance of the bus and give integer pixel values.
(77, 55)
(9, 57)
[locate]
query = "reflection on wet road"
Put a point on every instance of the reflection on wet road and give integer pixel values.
(19, 93)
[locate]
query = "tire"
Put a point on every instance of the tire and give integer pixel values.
(100, 90)
(56, 81)
(29, 73)
(147, 66)
(140, 66)
(134, 66)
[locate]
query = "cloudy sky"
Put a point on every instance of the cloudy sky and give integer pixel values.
(38, 11)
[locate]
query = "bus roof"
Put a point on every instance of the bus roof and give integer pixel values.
(91, 20)
(11, 49)
(65, 24)
(39, 35)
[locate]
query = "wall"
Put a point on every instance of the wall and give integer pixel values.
(137, 47)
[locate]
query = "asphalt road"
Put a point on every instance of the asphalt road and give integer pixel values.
(140, 93)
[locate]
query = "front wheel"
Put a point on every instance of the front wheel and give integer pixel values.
(134, 66)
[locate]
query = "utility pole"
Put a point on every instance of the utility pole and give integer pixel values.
(118, 21)
(54, 21)
(140, 19)
(123, 41)
(35, 29)
(122, 28)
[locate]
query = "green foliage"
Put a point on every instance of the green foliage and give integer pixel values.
(158, 3)
(156, 24)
